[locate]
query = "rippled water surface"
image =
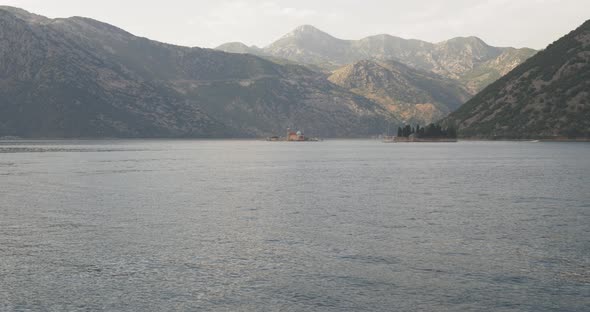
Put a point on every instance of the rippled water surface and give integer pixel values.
(326, 226)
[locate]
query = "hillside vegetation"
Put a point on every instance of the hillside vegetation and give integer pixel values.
(546, 96)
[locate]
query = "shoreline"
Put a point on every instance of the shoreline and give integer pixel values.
(527, 140)
(17, 139)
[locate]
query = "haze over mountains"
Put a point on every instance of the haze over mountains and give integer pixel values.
(442, 75)
(468, 59)
(78, 77)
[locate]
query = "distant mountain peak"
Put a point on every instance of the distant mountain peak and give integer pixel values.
(233, 44)
(307, 44)
(473, 40)
(305, 31)
(306, 28)
(238, 47)
(381, 36)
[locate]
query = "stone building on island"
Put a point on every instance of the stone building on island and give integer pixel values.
(295, 136)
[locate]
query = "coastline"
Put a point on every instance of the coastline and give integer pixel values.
(527, 139)
(468, 139)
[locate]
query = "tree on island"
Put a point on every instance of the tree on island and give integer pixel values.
(430, 131)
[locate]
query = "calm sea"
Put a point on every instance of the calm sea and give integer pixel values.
(263, 226)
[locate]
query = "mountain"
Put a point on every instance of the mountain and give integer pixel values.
(309, 45)
(77, 77)
(457, 56)
(466, 59)
(483, 74)
(238, 47)
(546, 96)
(447, 70)
(414, 96)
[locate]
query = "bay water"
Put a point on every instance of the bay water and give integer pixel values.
(343, 225)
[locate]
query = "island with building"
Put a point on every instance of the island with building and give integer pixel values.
(293, 136)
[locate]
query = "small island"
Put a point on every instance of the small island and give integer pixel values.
(430, 133)
(293, 136)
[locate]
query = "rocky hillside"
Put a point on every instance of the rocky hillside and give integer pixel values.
(546, 96)
(78, 77)
(309, 45)
(414, 96)
(483, 74)
(446, 69)
(469, 60)
(238, 47)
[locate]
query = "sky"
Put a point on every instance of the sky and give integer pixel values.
(517, 23)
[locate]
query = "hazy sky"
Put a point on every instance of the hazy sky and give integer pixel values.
(519, 23)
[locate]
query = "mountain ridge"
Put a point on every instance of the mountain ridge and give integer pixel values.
(414, 96)
(546, 96)
(79, 77)
(454, 58)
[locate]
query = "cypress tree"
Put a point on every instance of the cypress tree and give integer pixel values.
(452, 133)
(407, 131)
